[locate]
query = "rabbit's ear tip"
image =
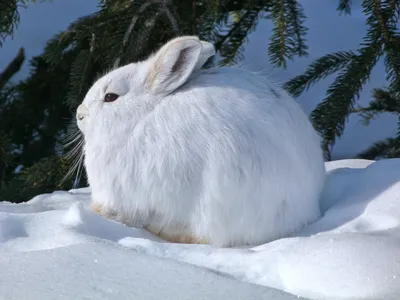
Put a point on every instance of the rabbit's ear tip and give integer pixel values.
(183, 38)
(173, 63)
(208, 46)
(207, 51)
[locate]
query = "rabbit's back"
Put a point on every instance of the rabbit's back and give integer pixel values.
(233, 153)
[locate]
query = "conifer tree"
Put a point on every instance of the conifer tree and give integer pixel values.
(385, 101)
(9, 19)
(120, 32)
(381, 41)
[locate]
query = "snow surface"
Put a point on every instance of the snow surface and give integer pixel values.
(54, 247)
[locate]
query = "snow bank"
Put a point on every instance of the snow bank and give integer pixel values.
(104, 271)
(54, 247)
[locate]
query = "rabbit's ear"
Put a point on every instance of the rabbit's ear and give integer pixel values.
(207, 51)
(173, 64)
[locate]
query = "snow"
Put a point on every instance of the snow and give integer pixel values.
(54, 247)
(103, 271)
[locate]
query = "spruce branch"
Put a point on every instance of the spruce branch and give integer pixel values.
(141, 50)
(172, 19)
(163, 7)
(344, 7)
(223, 38)
(46, 174)
(296, 14)
(277, 49)
(229, 44)
(388, 148)
(12, 68)
(381, 39)
(194, 21)
(384, 101)
(6, 158)
(79, 78)
(329, 117)
(383, 19)
(209, 23)
(130, 28)
(9, 18)
(288, 38)
(319, 69)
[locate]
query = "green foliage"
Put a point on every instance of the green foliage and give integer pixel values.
(384, 101)
(12, 68)
(319, 69)
(43, 146)
(9, 16)
(380, 41)
(344, 7)
(7, 149)
(389, 148)
(44, 176)
(40, 147)
(330, 115)
(6, 158)
(34, 117)
(288, 34)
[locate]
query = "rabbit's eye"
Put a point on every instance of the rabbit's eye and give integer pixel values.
(110, 97)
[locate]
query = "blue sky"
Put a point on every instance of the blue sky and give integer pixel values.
(328, 32)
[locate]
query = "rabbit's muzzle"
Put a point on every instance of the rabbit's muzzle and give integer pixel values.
(81, 116)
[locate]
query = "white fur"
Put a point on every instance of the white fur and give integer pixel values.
(227, 156)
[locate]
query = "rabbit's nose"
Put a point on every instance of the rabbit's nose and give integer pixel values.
(81, 112)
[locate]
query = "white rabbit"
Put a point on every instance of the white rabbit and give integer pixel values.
(219, 156)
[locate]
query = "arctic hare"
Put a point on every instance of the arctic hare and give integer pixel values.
(219, 156)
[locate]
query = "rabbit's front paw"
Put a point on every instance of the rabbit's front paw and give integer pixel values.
(95, 208)
(100, 210)
(178, 237)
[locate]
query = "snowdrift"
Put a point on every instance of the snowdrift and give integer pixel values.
(54, 247)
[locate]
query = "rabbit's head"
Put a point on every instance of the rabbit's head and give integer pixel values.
(126, 95)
